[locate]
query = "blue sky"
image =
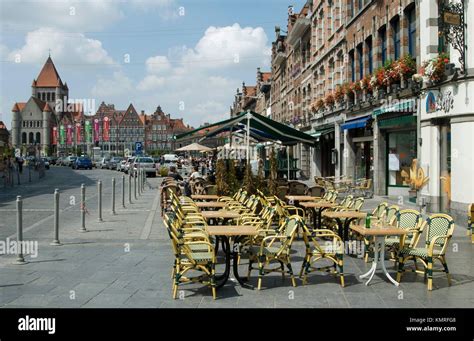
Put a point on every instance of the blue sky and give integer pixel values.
(187, 56)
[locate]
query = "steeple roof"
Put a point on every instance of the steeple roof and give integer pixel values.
(48, 76)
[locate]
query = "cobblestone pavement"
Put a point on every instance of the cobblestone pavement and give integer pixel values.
(125, 261)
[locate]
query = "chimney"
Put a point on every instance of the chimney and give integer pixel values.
(143, 112)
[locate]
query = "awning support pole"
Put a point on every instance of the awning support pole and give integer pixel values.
(288, 160)
(248, 136)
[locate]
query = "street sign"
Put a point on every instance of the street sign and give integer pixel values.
(138, 148)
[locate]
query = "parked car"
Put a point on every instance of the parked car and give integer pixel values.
(145, 163)
(128, 164)
(102, 163)
(52, 160)
(114, 162)
(82, 162)
(121, 165)
(69, 161)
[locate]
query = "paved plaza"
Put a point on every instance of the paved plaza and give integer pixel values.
(125, 261)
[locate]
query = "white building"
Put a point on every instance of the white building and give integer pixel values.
(447, 118)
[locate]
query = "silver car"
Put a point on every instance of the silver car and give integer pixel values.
(145, 163)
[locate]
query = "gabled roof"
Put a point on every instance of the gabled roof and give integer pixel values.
(48, 76)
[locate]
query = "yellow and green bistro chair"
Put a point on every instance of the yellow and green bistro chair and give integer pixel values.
(322, 244)
(275, 248)
(410, 220)
(440, 228)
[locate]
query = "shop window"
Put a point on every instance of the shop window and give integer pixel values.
(401, 152)
(370, 59)
(360, 57)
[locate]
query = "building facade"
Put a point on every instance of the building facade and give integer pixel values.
(34, 122)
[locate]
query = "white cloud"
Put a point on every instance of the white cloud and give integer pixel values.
(118, 85)
(66, 48)
(151, 82)
(158, 64)
(230, 45)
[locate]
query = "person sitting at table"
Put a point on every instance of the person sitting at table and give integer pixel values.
(174, 174)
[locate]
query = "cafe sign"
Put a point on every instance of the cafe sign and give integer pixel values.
(452, 27)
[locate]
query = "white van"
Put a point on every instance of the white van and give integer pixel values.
(170, 158)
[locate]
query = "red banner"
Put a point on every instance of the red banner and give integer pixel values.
(96, 130)
(55, 135)
(78, 133)
(105, 129)
(69, 134)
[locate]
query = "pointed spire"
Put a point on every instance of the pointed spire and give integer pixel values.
(48, 76)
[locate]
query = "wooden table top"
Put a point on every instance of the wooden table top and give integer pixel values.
(220, 214)
(345, 214)
(379, 231)
(301, 198)
(231, 230)
(210, 204)
(204, 197)
(318, 204)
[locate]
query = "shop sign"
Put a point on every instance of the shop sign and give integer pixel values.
(443, 102)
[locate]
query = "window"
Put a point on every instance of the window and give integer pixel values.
(351, 8)
(352, 61)
(411, 15)
(360, 57)
(383, 44)
(401, 151)
(396, 38)
(370, 59)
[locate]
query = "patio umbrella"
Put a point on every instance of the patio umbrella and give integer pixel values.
(194, 147)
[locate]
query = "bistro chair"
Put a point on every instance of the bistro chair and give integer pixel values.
(322, 244)
(410, 220)
(297, 188)
(275, 248)
(440, 228)
(315, 191)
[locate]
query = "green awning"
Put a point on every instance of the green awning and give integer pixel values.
(320, 132)
(399, 121)
(405, 106)
(261, 126)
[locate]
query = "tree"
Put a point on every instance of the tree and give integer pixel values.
(222, 184)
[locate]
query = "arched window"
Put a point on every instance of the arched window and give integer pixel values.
(30, 138)
(23, 138)
(38, 138)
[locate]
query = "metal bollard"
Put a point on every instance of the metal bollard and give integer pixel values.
(113, 196)
(123, 191)
(56, 218)
(135, 184)
(144, 181)
(83, 208)
(19, 230)
(138, 180)
(129, 187)
(99, 199)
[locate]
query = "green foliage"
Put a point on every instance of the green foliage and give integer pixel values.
(221, 172)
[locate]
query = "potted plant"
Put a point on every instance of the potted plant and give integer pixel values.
(416, 179)
(318, 105)
(435, 70)
(329, 101)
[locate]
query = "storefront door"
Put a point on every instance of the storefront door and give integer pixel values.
(364, 156)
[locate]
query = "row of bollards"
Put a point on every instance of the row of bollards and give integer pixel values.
(140, 174)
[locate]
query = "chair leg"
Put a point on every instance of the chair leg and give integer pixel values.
(249, 268)
(282, 267)
(429, 270)
(260, 274)
(290, 270)
(302, 267)
(446, 270)
(340, 264)
(401, 263)
(213, 281)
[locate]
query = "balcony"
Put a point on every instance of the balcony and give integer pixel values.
(299, 28)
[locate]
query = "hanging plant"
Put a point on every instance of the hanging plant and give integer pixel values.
(434, 69)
